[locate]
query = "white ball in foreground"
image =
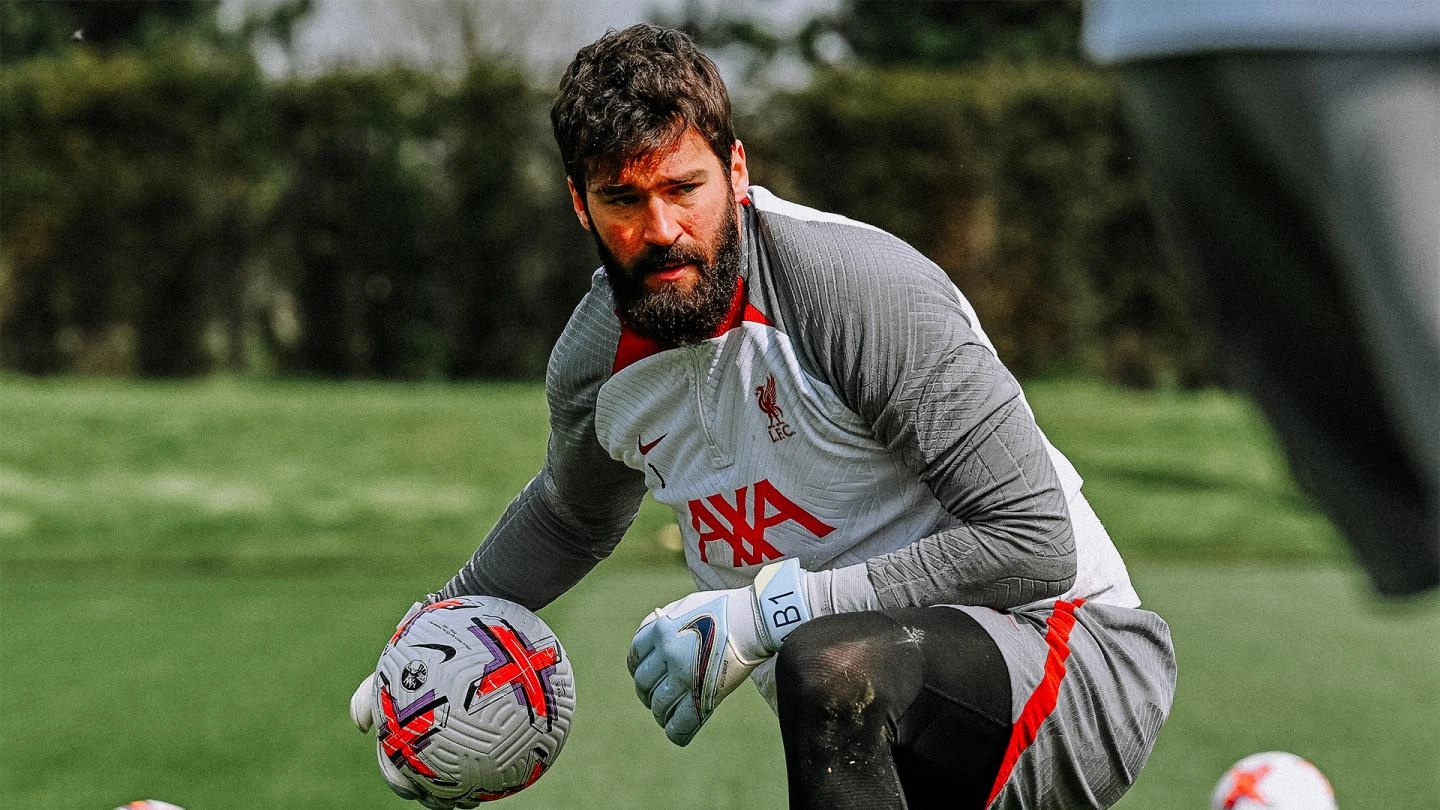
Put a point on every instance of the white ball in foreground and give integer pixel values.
(1273, 780)
(149, 804)
(473, 699)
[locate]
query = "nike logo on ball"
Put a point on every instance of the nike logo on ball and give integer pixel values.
(646, 448)
(447, 650)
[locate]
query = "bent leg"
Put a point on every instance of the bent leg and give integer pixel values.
(903, 708)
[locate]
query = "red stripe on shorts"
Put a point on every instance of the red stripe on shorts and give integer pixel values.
(1042, 700)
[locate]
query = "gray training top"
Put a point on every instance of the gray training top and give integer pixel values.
(850, 412)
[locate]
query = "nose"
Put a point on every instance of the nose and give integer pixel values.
(660, 227)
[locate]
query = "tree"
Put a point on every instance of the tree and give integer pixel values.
(132, 160)
(938, 35)
(31, 29)
(975, 131)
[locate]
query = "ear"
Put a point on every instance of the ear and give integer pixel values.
(577, 201)
(739, 172)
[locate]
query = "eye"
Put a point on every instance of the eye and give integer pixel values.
(621, 200)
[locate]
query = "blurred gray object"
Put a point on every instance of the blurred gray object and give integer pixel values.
(1295, 153)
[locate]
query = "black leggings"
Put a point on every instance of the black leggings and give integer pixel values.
(906, 708)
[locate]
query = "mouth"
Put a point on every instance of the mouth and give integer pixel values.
(670, 274)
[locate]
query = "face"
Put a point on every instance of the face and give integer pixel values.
(666, 228)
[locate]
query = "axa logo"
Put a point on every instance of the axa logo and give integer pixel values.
(743, 520)
(770, 406)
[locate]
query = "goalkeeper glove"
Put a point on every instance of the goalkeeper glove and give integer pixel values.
(692, 653)
(363, 705)
(363, 702)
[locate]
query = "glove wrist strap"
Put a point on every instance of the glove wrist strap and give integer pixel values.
(781, 600)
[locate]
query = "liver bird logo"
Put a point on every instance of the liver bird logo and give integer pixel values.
(765, 398)
(769, 404)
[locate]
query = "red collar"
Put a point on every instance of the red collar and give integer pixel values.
(635, 347)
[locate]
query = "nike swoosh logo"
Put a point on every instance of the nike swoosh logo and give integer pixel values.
(704, 627)
(646, 448)
(443, 648)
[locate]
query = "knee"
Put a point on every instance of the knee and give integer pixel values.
(814, 663)
(838, 668)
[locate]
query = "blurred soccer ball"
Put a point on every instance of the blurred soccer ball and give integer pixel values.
(150, 804)
(1273, 780)
(473, 698)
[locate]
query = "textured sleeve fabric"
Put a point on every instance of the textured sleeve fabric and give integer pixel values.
(885, 329)
(571, 515)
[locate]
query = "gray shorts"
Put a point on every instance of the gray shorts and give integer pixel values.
(1091, 684)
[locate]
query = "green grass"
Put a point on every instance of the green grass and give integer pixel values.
(1194, 476)
(194, 576)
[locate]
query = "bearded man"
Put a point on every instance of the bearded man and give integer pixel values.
(882, 539)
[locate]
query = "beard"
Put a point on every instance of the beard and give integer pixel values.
(669, 315)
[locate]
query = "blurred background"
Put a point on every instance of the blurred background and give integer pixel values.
(364, 189)
(278, 279)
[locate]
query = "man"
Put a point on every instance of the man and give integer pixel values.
(1296, 152)
(884, 541)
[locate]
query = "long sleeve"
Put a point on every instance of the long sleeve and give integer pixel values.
(886, 330)
(573, 513)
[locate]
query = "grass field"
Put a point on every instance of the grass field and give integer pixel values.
(193, 577)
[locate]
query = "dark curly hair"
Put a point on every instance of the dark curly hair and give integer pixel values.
(633, 91)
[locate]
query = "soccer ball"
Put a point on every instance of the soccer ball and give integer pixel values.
(1273, 780)
(150, 804)
(473, 699)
